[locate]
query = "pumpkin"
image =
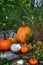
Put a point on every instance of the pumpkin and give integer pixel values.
(15, 47)
(12, 39)
(38, 42)
(5, 44)
(22, 33)
(1, 40)
(24, 48)
(33, 61)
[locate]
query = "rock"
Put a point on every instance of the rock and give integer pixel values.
(20, 62)
(1, 35)
(11, 33)
(9, 55)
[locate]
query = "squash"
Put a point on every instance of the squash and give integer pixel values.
(15, 47)
(39, 42)
(5, 44)
(24, 48)
(22, 33)
(12, 39)
(1, 40)
(33, 61)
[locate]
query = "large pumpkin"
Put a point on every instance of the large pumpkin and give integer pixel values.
(5, 44)
(1, 40)
(22, 32)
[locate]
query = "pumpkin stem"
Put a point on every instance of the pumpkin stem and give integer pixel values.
(23, 23)
(4, 35)
(23, 44)
(33, 56)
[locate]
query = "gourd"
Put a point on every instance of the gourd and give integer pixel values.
(33, 61)
(5, 44)
(22, 33)
(12, 39)
(39, 42)
(15, 47)
(24, 48)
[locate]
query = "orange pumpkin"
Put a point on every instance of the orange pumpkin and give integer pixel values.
(1, 40)
(38, 42)
(33, 61)
(5, 44)
(22, 32)
(24, 48)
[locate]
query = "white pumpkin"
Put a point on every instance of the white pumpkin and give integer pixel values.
(15, 47)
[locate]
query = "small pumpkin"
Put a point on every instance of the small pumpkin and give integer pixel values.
(33, 61)
(15, 47)
(5, 44)
(24, 48)
(13, 39)
(38, 42)
(22, 33)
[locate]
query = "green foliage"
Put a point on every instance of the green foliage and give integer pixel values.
(14, 12)
(4, 62)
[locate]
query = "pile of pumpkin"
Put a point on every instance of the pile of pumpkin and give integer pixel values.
(19, 43)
